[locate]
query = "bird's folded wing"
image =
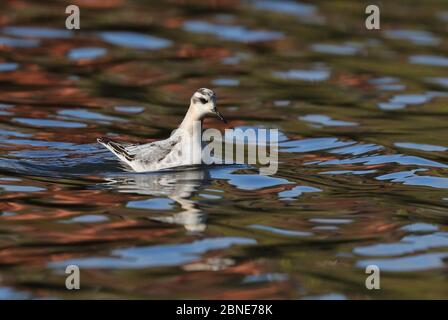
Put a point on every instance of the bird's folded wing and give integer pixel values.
(152, 152)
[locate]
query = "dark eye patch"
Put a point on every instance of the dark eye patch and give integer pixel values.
(203, 100)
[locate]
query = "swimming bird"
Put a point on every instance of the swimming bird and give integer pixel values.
(183, 147)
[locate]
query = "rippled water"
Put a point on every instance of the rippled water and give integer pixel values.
(363, 153)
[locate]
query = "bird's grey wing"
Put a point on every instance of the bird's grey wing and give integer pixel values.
(152, 152)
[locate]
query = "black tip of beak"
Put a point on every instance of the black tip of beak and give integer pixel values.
(221, 117)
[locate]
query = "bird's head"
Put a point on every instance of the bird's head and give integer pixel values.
(204, 103)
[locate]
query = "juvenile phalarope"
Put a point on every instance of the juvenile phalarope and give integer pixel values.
(183, 147)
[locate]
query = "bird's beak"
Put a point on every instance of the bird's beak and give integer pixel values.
(219, 115)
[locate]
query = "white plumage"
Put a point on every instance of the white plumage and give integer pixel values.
(183, 147)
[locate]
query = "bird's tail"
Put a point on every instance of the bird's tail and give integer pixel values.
(116, 148)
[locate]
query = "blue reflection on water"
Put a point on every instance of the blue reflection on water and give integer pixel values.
(18, 188)
(419, 37)
(86, 53)
(18, 43)
(50, 123)
(438, 61)
(7, 293)
(281, 231)
(265, 277)
(312, 144)
(382, 159)
(232, 32)
(355, 172)
(247, 181)
(357, 149)
(409, 244)
(88, 218)
(410, 178)
(420, 146)
(157, 255)
(414, 263)
(287, 7)
(153, 204)
(226, 82)
(304, 75)
(346, 49)
(326, 121)
(129, 109)
(296, 192)
(37, 32)
(134, 40)
(420, 227)
(8, 66)
(330, 296)
(86, 114)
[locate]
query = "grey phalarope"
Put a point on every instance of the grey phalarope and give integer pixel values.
(183, 147)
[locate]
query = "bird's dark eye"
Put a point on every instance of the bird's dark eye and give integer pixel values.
(203, 100)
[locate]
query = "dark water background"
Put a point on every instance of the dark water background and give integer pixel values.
(362, 179)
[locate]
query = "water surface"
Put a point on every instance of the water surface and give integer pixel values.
(363, 150)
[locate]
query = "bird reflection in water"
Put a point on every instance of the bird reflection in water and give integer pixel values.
(179, 186)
